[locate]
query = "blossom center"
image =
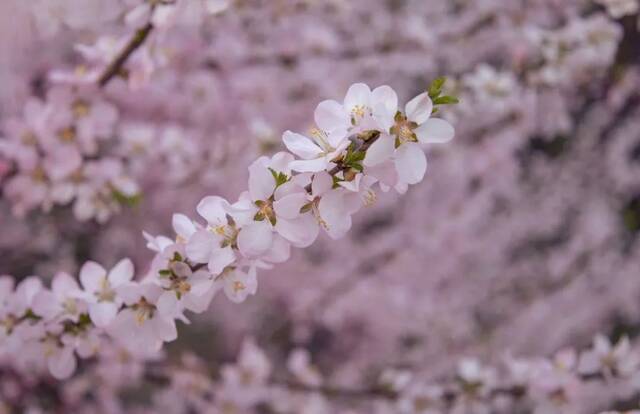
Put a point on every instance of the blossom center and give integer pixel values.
(404, 130)
(238, 286)
(358, 112)
(67, 134)
(80, 109)
(144, 310)
(265, 211)
(106, 293)
(321, 139)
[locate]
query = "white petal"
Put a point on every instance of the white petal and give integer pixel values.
(338, 137)
(280, 162)
(102, 313)
(220, 259)
(386, 96)
(280, 251)
(261, 181)
(380, 151)
(62, 364)
(335, 213)
(182, 225)
(164, 328)
(289, 206)
(322, 182)
(358, 94)
(330, 115)
(300, 145)
(411, 163)
(46, 304)
(384, 102)
(200, 246)
(213, 209)
(200, 303)
(419, 109)
(63, 284)
(168, 304)
(435, 130)
(255, 239)
(121, 273)
(316, 165)
(91, 275)
(301, 232)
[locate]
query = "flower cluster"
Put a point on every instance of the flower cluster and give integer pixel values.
(362, 144)
(62, 152)
(257, 380)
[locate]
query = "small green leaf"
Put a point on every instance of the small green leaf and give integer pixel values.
(446, 100)
(125, 199)
(164, 272)
(306, 208)
(280, 177)
(435, 89)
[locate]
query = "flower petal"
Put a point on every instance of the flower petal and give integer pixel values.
(316, 165)
(358, 95)
(261, 181)
(301, 232)
(121, 273)
(330, 115)
(200, 246)
(380, 151)
(220, 259)
(419, 109)
(182, 225)
(91, 275)
(335, 213)
(62, 364)
(63, 284)
(102, 313)
(300, 145)
(168, 304)
(322, 182)
(255, 239)
(411, 163)
(279, 252)
(435, 130)
(384, 102)
(213, 209)
(289, 206)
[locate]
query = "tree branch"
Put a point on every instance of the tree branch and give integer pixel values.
(116, 66)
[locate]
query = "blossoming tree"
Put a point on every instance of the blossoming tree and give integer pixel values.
(175, 119)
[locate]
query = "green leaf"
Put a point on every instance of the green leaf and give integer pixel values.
(336, 182)
(280, 177)
(446, 100)
(125, 199)
(164, 272)
(435, 89)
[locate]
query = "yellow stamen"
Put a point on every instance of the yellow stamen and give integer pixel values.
(67, 134)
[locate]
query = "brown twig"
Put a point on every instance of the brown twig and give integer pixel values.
(116, 66)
